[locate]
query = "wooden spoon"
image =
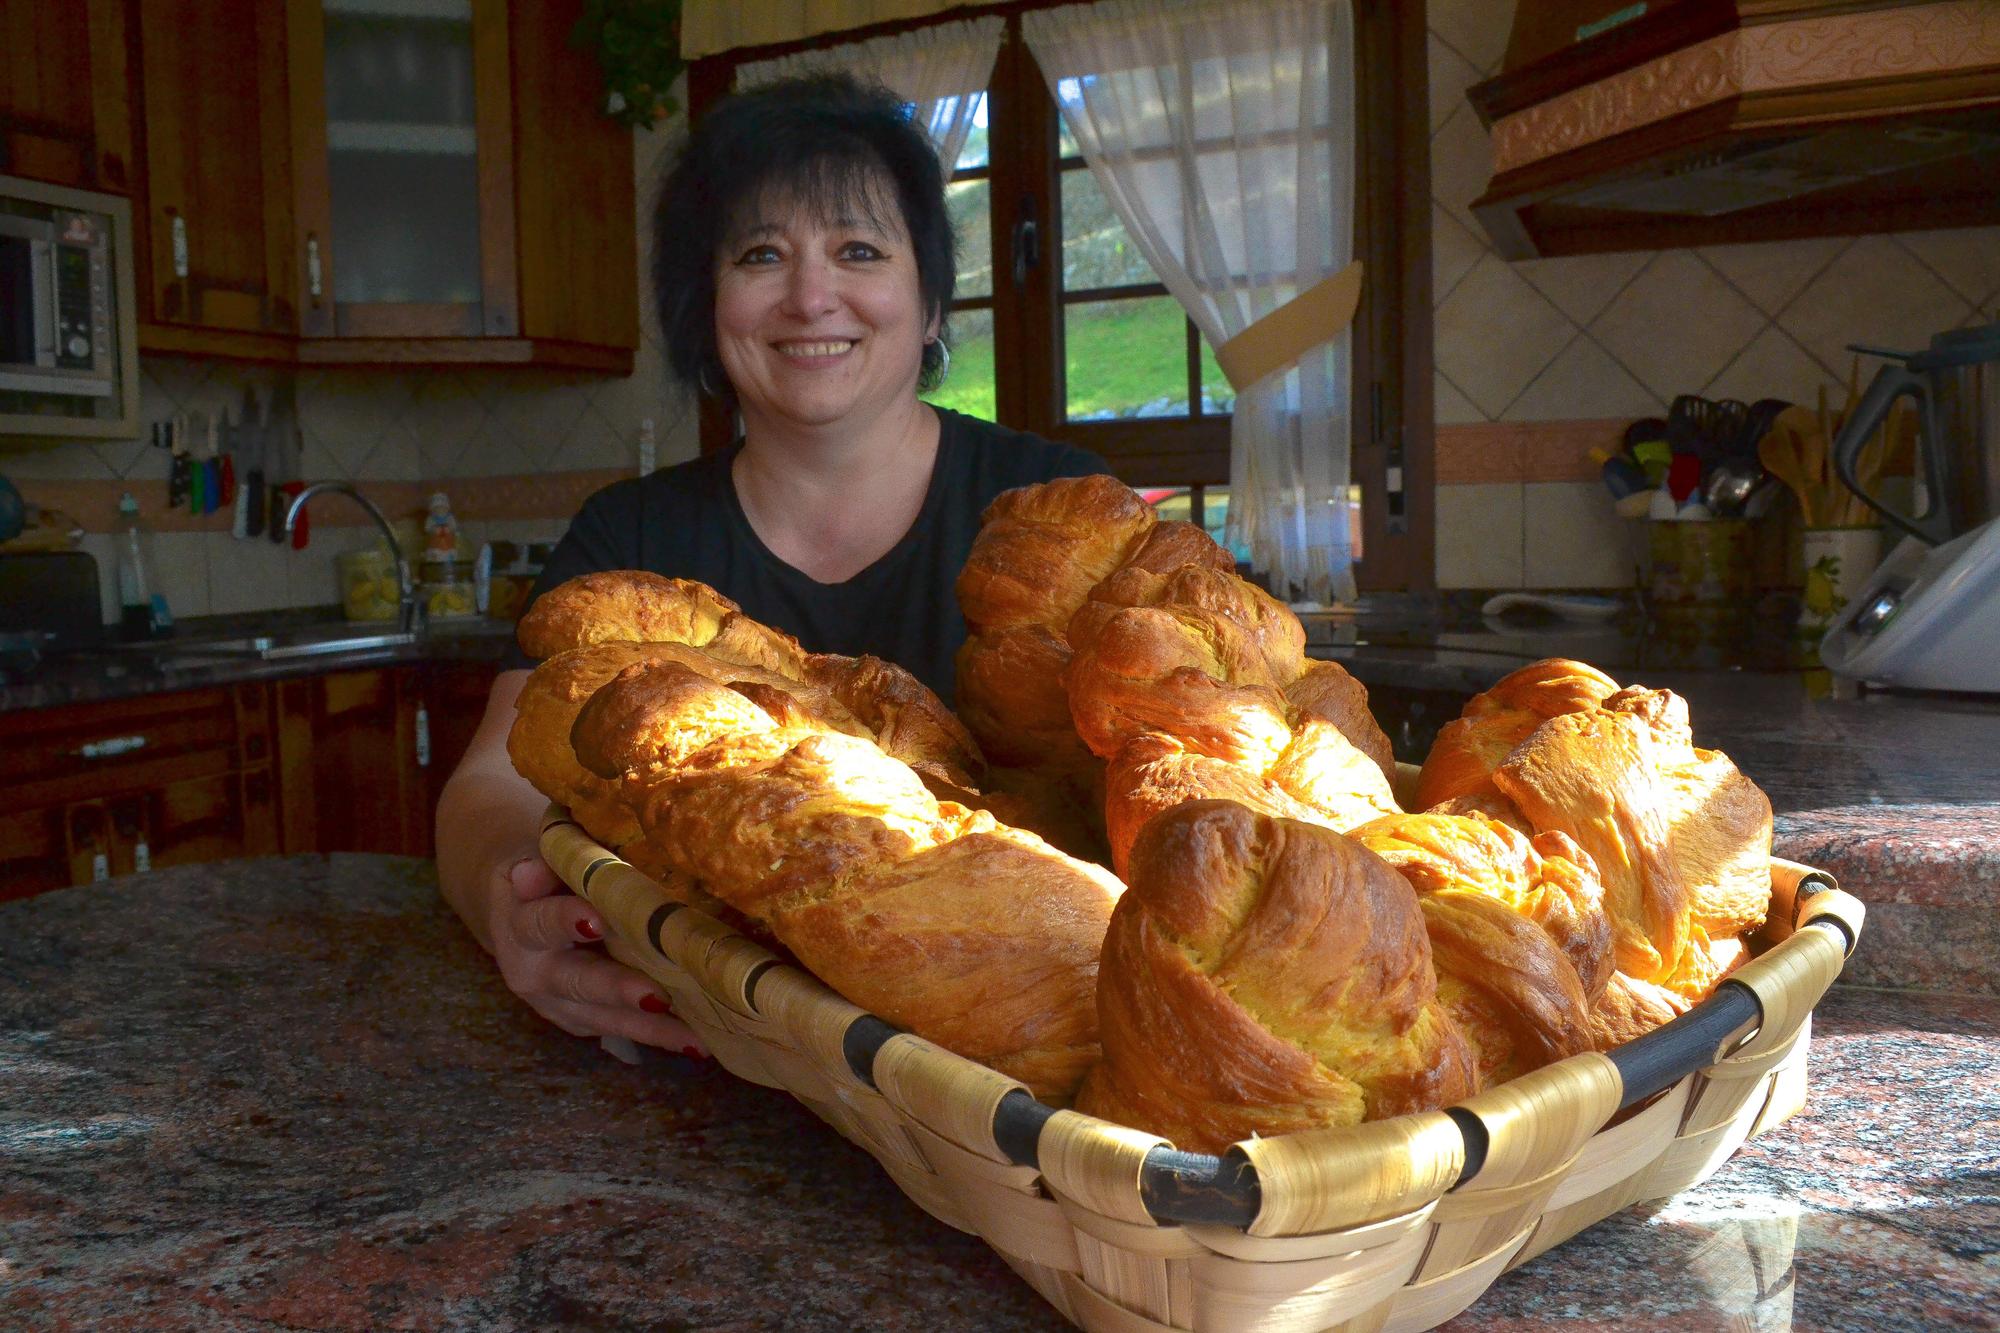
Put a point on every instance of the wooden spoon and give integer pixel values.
(1784, 455)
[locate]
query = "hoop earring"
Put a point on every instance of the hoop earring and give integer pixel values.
(944, 358)
(701, 382)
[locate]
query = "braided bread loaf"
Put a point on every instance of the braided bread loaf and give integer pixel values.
(1263, 975)
(1518, 933)
(1195, 682)
(1680, 838)
(938, 918)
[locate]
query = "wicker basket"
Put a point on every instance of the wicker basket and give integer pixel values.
(1393, 1224)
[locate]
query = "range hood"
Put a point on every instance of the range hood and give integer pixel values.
(1627, 126)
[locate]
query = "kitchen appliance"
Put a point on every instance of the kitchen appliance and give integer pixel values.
(1928, 619)
(1955, 387)
(52, 595)
(69, 355)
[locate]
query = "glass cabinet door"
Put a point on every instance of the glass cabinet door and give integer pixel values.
(406, 197)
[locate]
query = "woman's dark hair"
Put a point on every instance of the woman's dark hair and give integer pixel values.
(822, 142)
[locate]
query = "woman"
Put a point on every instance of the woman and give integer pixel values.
(803, 264)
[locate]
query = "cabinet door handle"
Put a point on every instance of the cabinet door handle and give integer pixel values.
(109, 746)
(180, 227)
(315, 281)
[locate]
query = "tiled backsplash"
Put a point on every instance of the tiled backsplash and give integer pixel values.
(431, 426)
(1619, 335)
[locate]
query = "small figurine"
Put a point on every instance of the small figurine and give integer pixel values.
(440, 530)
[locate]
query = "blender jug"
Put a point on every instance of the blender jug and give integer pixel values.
(1955, 388)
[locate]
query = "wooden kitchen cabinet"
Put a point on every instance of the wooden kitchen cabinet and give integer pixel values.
(65, 117)
(215, 243)
(364, 754)
(103, 789)
(348, 761)
(367, 182)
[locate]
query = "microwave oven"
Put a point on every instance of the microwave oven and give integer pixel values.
(69, 356)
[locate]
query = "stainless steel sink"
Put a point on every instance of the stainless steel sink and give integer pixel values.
(278, 647)
(273, 647)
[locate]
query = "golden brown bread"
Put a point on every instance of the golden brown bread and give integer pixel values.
(633, 606)
(1264, 975)
(1039, 552)
(607, 613)
(1217, 666)
(1681, 840)
(1518, 933)
(1471, 746)
(937, 918)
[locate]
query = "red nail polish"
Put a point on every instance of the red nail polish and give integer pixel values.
(653, 1004)
(585, 929)
(691, 1053)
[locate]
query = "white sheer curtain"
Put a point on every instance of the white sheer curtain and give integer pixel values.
(1222, 132)
(940, 69)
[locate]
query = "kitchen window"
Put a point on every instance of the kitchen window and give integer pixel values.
(1061, 328)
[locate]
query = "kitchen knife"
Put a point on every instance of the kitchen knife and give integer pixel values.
(277, 464)
(252, 499)
(180, 473)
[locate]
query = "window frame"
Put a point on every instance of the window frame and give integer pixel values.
(1392, 416)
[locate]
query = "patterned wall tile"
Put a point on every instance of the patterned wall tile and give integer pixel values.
(1582, 285)
(1773, 365)
(1572, 539)
(1454, 250)
(445, 415)
(1495, 333)
(1461, 164)
(1876, 292)
(1479, 536)
(247, 575)
(180, 571)
(1676, 324)
(1450, 75)
(1583, 382)
(1968, 259)
(1453, 407)
(1771, 273)
(1476, 29)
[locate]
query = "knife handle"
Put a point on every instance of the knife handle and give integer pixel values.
(179, 478)
(254, 503)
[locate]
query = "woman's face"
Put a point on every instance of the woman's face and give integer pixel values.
(819, 321)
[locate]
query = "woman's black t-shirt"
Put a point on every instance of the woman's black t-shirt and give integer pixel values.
(686, 522)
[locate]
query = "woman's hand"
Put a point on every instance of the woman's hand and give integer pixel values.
(542, 937)
(520, 912)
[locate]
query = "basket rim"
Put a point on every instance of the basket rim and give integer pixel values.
(1178, 1187)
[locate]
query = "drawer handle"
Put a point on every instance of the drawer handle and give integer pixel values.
(109, 746)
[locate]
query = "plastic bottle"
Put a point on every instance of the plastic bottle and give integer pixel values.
(135, 603)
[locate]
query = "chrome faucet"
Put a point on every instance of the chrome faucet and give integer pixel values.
(409, 611)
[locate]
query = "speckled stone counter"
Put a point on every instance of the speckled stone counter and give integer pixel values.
(293, 1094)
(122, 671)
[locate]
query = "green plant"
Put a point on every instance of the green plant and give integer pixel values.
(638, 45)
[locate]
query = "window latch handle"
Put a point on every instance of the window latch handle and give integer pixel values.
(1027, 242)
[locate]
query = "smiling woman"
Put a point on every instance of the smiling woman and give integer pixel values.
(803, 263)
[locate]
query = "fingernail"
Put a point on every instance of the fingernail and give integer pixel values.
(585, 929)
(653, 1004)
(694, 1054)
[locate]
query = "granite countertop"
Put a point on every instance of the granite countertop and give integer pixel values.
(117, 671)
(292, 1093)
